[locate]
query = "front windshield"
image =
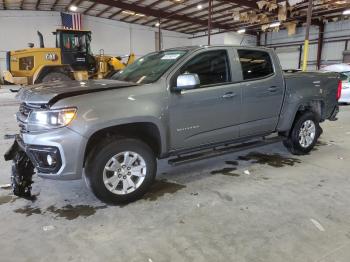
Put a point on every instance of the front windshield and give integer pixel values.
(149, 68)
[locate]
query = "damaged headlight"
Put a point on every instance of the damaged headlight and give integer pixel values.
(39, 120)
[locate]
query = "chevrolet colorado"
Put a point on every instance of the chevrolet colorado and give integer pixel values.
(169, 103)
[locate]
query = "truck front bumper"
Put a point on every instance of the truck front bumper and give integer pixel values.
(57, 154)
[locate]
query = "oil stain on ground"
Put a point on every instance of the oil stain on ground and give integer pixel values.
(320, 144)
(7, 199)
(160, 188)
(68, 212)
(227, 171)
(28, 211)
(32, 198)
(233, 163)
(274, 160)
(11, 198)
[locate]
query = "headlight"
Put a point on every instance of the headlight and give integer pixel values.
(43, 120)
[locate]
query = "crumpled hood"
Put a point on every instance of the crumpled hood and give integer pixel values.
(51, 92)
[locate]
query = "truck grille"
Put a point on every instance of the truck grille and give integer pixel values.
(22, 117)
(24, 110)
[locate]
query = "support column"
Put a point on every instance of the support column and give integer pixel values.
(209, 20)
(258, 39)
(300, 55)
(159, 35)
(307, 34)
(320, 45)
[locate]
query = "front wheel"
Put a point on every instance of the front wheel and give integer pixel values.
(121, 170)
(304, 134)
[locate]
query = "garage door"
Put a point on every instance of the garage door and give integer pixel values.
(289, 57)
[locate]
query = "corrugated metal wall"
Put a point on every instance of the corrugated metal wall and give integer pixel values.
(335, 37)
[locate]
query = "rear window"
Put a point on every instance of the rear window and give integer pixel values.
(255, 64)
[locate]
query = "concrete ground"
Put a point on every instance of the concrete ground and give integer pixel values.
(257, 205)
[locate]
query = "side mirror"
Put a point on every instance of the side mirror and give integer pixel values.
(187, 81)
(30, 45)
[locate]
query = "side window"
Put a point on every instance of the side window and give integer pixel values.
(255, 64)
(212, 67)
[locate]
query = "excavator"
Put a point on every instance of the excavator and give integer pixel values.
(71, 59)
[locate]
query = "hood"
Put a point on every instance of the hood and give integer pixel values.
(51, 92)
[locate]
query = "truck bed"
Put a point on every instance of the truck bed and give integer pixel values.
(302, 87)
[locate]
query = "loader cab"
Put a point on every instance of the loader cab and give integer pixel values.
(75, 49)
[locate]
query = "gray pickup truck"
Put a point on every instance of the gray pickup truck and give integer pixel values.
(167, 104)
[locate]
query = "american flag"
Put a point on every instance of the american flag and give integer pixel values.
(71, 21)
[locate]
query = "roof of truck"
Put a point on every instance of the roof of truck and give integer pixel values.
(194, 47)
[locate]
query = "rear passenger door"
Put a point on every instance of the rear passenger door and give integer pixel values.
(262, 91)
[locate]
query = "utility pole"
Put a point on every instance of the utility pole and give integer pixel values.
(307, 34)
(209, 20)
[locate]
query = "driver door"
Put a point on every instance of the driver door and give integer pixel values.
(210, 113)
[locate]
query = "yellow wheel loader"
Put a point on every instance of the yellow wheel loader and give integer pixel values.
(72, 59)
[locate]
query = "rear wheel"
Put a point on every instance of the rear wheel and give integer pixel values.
(120, 170)
(304, 134)
(55, 76)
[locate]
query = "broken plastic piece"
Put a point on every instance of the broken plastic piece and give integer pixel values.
(22, 171)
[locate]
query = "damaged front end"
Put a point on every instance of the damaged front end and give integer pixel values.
(22, 169)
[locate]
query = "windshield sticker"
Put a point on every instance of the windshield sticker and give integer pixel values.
(170, 57)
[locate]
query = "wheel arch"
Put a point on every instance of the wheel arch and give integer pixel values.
(44, 70)
(315, 106)
(147, 132)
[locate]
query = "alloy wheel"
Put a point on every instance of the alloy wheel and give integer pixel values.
(124, 172)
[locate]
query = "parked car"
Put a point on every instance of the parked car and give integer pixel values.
(166, 104)
(344, 70)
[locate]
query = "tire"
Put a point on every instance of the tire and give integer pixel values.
(300, 140)
(55, 76)
(111, 179)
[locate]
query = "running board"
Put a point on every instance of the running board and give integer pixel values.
(222, 150)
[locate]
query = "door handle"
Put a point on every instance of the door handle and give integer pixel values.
(272, 89)
(229, 95)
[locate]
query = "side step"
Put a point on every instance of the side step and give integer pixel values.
(222, 150)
